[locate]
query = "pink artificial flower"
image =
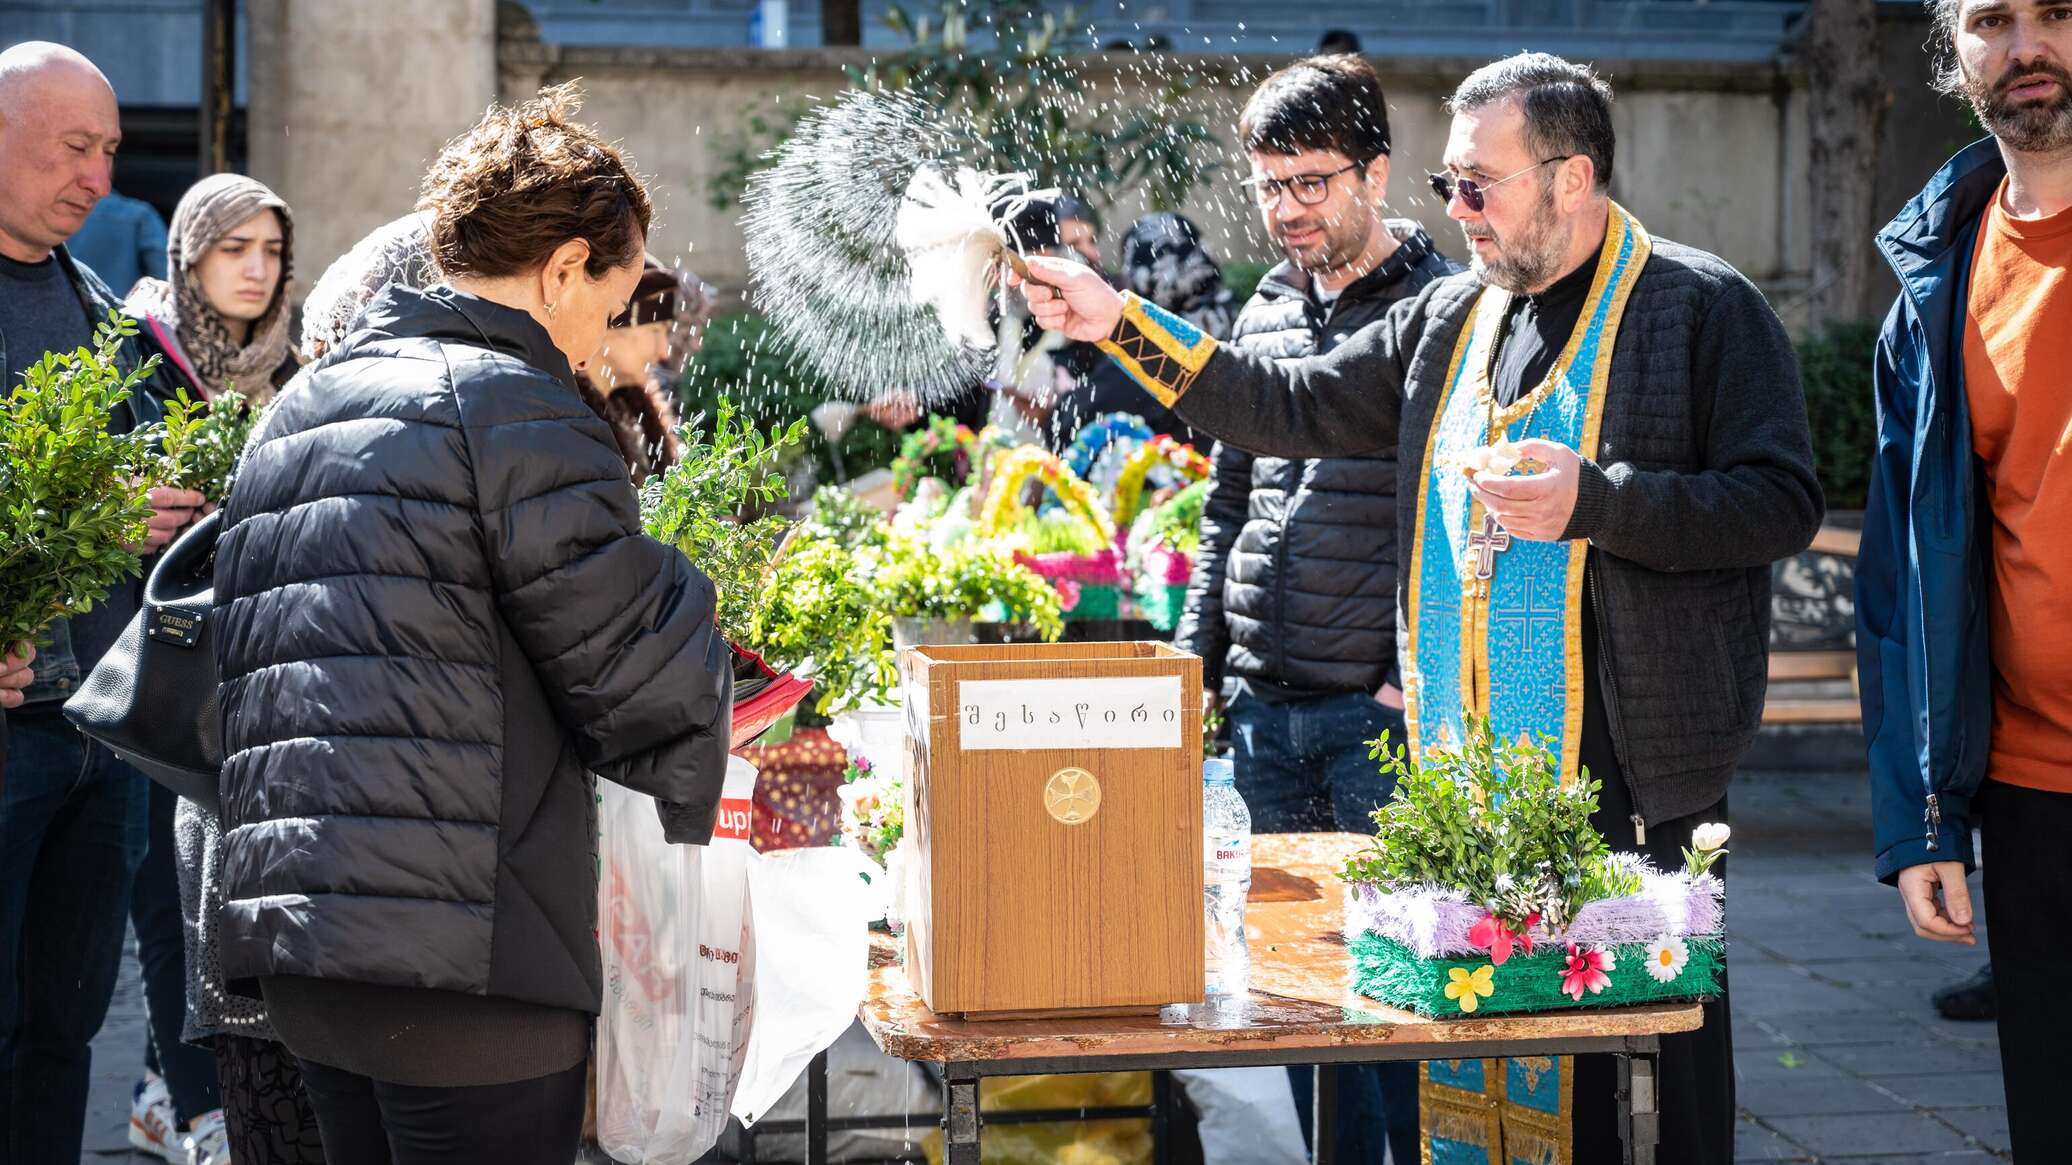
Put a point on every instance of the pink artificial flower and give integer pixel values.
(1068, 593)
(1492, 935)
(1586, 971)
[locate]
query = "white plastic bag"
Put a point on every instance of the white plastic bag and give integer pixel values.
(679, 964)
(1247, 1114)
(725, 971)
(811, 910)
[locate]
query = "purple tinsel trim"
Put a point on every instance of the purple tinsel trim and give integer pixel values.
(1435, 923)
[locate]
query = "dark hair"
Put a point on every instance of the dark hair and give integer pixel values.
(1945, 73)
(524, 181)
(1040, 221)
(1567, 107)
(1320, 103)
(1339, 40)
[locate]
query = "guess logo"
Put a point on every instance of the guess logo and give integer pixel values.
(733, 820)
(174, 625)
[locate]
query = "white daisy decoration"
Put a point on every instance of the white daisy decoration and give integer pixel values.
(1667, 957)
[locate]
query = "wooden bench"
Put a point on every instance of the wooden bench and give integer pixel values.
(1816, 687)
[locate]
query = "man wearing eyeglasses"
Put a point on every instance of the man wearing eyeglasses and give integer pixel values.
(1612, 596)
(1292, 607)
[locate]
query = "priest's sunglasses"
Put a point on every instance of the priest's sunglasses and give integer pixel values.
(1308, 189)
(1474, 195)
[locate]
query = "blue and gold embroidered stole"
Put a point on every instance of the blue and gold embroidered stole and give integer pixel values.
(1496, 621)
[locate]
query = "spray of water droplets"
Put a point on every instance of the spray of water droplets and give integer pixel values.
(820, 227)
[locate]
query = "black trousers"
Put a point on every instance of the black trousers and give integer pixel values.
(1696, 1068)
(2028, 893)
(189, 1071)
(367, 1122)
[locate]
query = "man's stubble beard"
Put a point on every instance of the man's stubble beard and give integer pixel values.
(1344, 241)
(2029, 128)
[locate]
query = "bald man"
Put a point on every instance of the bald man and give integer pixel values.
(71, 815)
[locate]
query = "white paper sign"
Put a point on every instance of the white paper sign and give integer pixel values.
(1117, 712)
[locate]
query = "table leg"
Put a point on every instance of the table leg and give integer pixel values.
(961, 1120)
(1164, 1096)
(816, 1110)
(1324, 1115)
(1640, 1111)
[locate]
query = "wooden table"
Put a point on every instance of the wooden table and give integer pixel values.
(1301, 1010)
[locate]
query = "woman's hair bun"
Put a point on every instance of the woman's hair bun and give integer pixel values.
(526, 179)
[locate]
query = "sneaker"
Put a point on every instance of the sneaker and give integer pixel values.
(1972, 1000)
(207, 1141)
(151, 1120)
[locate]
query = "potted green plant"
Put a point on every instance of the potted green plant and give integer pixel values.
(1487, 889)
(935, 594)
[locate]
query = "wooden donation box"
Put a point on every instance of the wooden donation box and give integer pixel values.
(1056, 824)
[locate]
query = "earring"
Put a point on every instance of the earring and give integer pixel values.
(550, 311)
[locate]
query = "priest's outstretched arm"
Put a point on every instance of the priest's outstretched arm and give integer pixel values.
(1341, 404)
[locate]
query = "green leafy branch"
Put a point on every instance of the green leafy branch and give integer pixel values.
(75, 495)
(699, 507)
(202, 441)
(1492, 820)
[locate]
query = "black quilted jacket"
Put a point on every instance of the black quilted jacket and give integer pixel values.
(436, 615)
(1703, 478)
(1295, 585)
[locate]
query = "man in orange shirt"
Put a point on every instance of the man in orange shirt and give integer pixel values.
(1964, 601)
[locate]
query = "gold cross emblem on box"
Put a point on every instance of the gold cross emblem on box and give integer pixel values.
(1072, 796)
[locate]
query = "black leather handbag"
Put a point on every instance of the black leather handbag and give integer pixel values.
(152, 699)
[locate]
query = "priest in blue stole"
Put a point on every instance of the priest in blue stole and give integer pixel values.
(1610, 449)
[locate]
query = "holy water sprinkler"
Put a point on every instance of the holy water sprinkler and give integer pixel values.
(875, 243)
(955, 236)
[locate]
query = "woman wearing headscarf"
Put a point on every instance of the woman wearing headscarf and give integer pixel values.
(220, 316)
(1164, 261)
(214, 1089)
(394, 254)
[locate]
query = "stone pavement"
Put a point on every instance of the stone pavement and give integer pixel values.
(1840, 1056)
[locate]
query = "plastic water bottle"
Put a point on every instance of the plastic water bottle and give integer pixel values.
(1227, 877)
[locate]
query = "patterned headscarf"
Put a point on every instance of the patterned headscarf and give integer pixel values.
(1164, 262)
(395, 254)
(211, 209)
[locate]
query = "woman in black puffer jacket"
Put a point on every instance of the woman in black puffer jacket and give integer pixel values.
(436, 616)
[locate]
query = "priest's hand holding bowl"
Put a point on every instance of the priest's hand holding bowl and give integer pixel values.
(1069, 297)
(1535, 506)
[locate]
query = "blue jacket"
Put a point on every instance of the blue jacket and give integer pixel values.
(1922, 643)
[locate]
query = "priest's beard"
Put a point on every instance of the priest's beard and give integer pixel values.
(1531, 257)
(2029, 127)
